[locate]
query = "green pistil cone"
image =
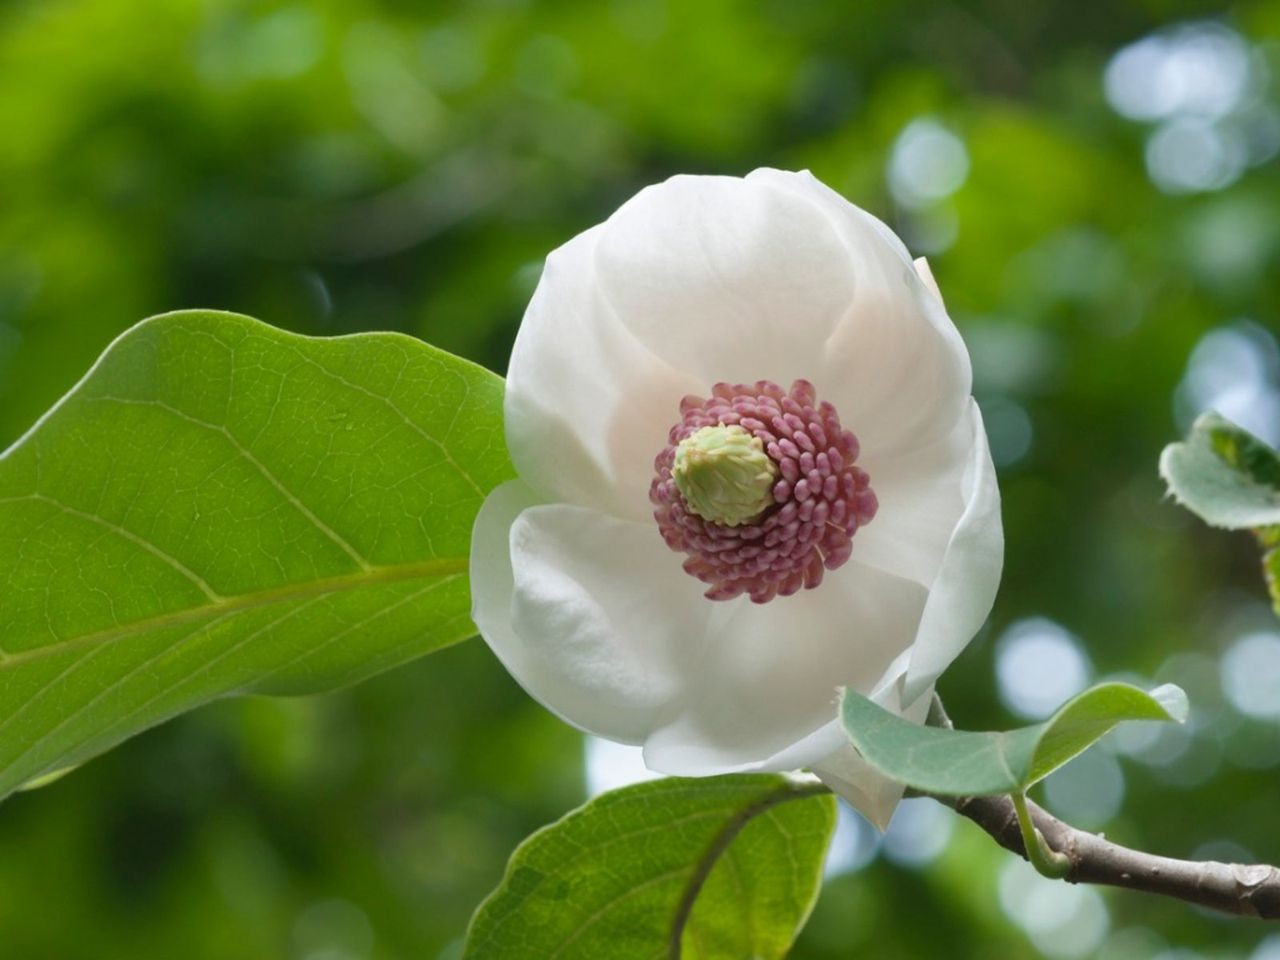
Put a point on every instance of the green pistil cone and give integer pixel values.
(724, 475)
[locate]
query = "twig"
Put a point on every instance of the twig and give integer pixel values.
(1249, 890)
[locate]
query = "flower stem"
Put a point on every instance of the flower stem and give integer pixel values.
(1047, 861)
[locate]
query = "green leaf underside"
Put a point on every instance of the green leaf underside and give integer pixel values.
(1225, 475)
(222, 508)
(709, 869)
(961, 763)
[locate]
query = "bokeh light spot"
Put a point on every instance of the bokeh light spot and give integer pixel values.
(1189, 155)
(611, 766)
(1268, 949)
(1088, 792)
(928, 163)
(1009, 429)
(1063, 921)
(1251, 675)
(919, 832)
(1039, 665)
(1202, 69)
(853, 846)
(1234, 370)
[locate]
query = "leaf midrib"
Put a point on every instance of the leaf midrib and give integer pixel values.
(373, 576)
(699, 871)
(720, 845)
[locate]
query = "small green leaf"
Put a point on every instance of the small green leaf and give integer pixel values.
(220, 508)
(1225, 475)
(960, 763)
(709, 869)
(1270, 540)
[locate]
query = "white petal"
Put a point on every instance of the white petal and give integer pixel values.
(922, 494)
(729, 279)
(588, 406)
(895, 367)
(592, 615)
(771, 673)
(867, 790)
(926, 276)
(965, 587)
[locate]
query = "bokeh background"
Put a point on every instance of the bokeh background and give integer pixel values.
(1097, 189)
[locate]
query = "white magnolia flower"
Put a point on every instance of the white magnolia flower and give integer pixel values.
(692, 559)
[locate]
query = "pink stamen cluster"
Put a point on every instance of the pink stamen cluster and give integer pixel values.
(820, 498)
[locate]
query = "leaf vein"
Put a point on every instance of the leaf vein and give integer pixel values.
(292, 499)
(391, 404)
(124, 533)
(448, 567)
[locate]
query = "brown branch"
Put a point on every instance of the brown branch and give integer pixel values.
(1251, 890)
(1247, 890)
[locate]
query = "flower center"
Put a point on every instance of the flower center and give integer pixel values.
(724, 474)
(758, 486)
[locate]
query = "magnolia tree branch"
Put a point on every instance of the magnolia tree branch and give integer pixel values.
(1251, 890)
(1247, 890)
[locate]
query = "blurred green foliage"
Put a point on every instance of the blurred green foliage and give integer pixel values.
(353, 164)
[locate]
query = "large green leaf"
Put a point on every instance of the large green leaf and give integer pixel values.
(221, 507)
(723, 868)
(961, 763)
(1225, 475)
